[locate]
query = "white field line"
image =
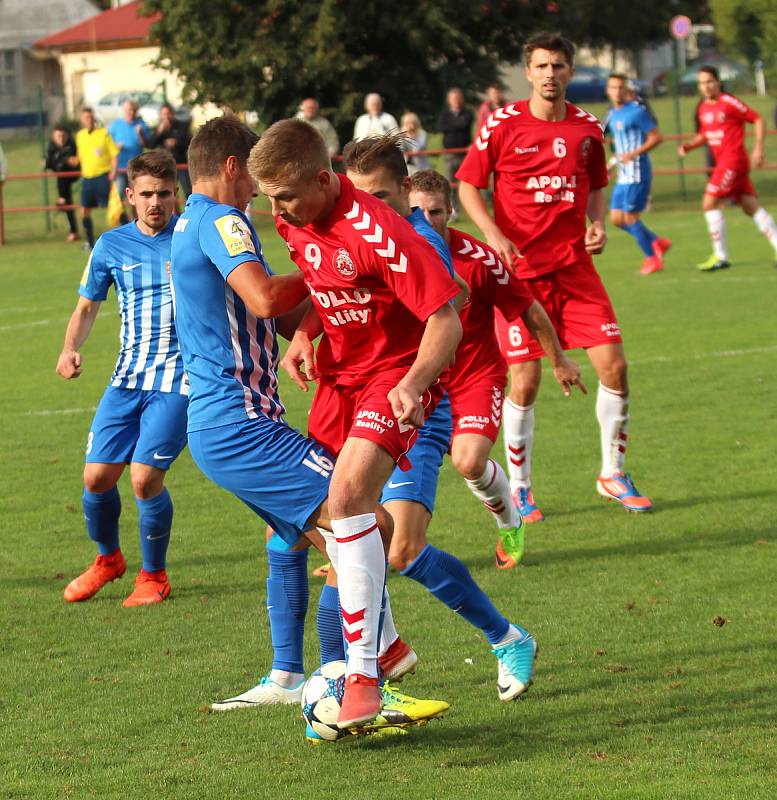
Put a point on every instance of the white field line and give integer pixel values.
(57, 411)
(746, 351)
(36, 323)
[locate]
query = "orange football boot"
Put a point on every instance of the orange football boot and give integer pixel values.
(150, 588)
(104, 570)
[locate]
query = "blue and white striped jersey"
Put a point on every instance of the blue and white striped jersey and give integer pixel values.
(629, 126)
(230, 355)
(137, 266)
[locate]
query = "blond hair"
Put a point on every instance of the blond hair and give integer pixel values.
(291, 149)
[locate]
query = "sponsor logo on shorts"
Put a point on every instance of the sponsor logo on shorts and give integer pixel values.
(128, 267)
(159, 457)
(373, 420)
(611, 328)
(392, 485)
(344, 264)
(473, 422)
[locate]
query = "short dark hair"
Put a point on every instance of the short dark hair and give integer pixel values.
(167, 106)
(86, 110)
(157, 163)
(554, 42)
(215, 142)
(617, 76)
(290, 148)
(709, 69)
(367, 155)
(429, 180)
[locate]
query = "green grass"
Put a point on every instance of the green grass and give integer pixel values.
(638, 693)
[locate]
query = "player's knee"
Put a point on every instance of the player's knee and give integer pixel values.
(470, 465)
(614, 375)
(97, 481)
(403, 552)
(145, 486)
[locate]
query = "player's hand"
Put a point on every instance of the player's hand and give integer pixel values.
(567, 373)
(299, 361)
(69, 364)
(681, 151)
(757, 159)
(595, 238)
(624, 158)
(506, 249)
(406, 405)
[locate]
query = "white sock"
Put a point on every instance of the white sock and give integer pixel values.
(512, 635)
(331, 546)
(388, 633)
(493, 490)
(612, 411)
(763, 219)
(716, 224)
(361, 572)
(518, 426)
(289, 680)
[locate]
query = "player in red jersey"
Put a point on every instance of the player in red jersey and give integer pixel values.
(548, 161)
(477, 380)
(381, 296)
(722, 119)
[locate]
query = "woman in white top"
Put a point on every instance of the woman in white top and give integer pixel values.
(416, 140)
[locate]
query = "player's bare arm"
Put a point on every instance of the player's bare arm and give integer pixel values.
(286, 324)
(595, 235)
(652, 140)
(565, 371)
(757, 156)
(265, 295)
(300, 358)
(463, 295)
(77, 332)
(475, 205)
(690, 144)
(435, 352)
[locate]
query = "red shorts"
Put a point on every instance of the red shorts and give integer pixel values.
(477, 405)
(577, 303)
(339, 412)
(730, 181)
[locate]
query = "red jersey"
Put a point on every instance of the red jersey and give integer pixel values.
(543, 173)
(722, 122)
(491, 285)
(374, 282)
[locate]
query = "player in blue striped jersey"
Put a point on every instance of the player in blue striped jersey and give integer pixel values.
(634, 133)
(141, 418)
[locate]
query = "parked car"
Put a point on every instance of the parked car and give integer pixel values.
(735, 77)
(589, 85)
(110, 107)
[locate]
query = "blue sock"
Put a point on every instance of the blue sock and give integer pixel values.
(287, 604)
(155, 518)
(101, 512)
(450, 582)
(644, 236)
(330, 626)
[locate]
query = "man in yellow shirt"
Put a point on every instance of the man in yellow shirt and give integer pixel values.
(97, 156)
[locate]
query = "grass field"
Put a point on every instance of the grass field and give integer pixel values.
(658, 668)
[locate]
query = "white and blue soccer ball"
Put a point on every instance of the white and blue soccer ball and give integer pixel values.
(321, 698)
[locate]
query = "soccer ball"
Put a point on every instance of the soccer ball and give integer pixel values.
(321, 699)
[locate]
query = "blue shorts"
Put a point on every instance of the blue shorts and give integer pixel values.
(135, 425)
(95, 191)
(277, 472)
(419, 483)
(630, 197)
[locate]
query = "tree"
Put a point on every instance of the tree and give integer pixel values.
(267, 56)
(748, 28)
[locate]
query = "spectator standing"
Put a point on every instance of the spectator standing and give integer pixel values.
(130, 134)
(376, 121)
(174, 135)
(416, 139)
(2, 166)
(309, 112)
(495, 98)
(97, 155)
(455, 124)
(61, 157)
